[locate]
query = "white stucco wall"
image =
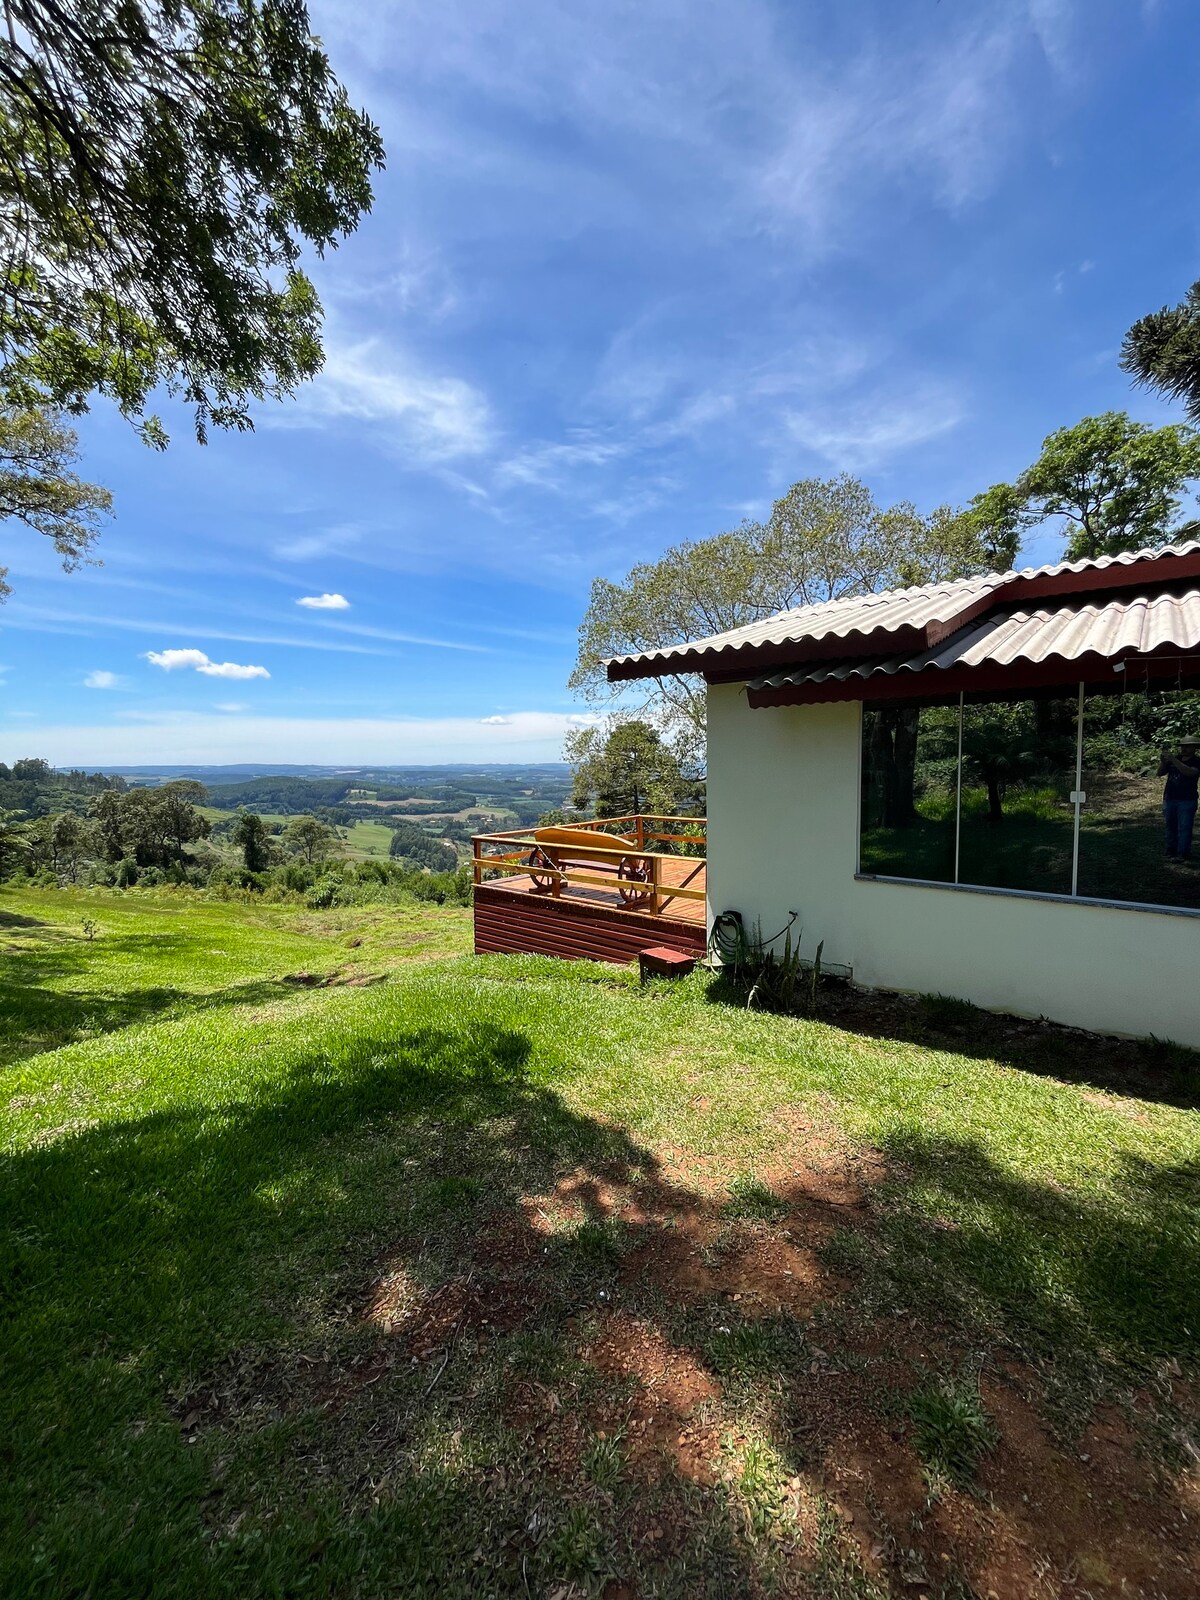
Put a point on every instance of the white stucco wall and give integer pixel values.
(783, 836)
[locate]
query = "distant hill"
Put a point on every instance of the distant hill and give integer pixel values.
(462, 773)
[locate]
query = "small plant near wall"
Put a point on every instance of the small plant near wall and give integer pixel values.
(769, 979)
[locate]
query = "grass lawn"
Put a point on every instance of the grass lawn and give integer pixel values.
(336, 1262)
(365, 839)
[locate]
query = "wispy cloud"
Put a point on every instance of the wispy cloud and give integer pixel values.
(101, 679)
(52, 619)
(546, 465)
(861, 433)
(196, 660)
(322, 542)
(427, 418)
(324, 602)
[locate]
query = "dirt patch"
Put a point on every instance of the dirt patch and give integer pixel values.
(667, 1420)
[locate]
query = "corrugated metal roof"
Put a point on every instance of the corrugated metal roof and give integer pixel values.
(1116, 628)
(863, 616)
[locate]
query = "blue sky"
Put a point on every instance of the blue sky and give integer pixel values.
(631, 271)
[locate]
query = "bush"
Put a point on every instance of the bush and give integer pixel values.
(127, 873)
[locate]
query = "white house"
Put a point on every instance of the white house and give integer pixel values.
(958, 788)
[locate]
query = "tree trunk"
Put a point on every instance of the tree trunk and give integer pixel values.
(995, 791)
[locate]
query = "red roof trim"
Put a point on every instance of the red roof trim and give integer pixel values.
(1168, 665)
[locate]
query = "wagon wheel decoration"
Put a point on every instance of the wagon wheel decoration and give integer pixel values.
(546, 878)
(635, 877)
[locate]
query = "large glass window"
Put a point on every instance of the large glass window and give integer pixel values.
(909, 782)
(1018, 822)
(1021, 793)
(1140, 784)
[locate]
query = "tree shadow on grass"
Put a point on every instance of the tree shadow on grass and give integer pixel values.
(404, 1322)
(13, 919)
(36, 1016)
(37, 1019)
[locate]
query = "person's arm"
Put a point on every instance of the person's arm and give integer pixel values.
(1164, 762)
(1170, 762)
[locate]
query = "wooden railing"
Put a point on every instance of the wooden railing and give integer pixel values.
(629, 867)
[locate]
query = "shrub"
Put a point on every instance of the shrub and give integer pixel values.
(127, 873)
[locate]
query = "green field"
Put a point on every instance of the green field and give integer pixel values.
(366, 839)
(339, 1262)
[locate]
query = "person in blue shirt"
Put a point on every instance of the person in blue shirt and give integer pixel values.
(1182, 773)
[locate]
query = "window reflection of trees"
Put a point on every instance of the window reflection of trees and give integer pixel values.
(910, 759)
(1121, 835)
(1018, 824)
(1010, 822)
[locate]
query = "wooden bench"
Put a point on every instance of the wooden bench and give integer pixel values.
(559, 850)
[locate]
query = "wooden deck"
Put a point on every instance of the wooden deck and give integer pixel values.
(581, 913)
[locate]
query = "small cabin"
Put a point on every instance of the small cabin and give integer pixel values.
(959, 788)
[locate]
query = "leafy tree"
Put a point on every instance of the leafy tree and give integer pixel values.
(1162, 352)
(71, 840)
(14, 843)
(1116, 484)
(824, 539)
(251, 838)
(38, 488)
(174, 805)
(149, 826)
(624, 770)
(162, 164)
(409, 842)
(311, 839)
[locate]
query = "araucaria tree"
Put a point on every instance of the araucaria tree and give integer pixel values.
(1162, 352)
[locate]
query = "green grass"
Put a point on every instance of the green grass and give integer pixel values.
(280, 1316)
(365, 839)
(952, 1429)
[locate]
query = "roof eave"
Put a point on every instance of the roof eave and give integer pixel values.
(1166, 665)
(725, 664)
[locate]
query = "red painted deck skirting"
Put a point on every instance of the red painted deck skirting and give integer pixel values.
(510, 921)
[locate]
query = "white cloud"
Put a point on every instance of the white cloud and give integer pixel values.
(324, 602)
(550, 466)
(174, 660)
(327, 541)
(101, 679)
(426, 417)
(494, 722)
(230, 706)
(215, 738)
(171, 660)
(860, 432)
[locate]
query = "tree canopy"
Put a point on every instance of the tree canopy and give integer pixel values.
(38, 487)
(1115, 483)
(162, 165)
(1162, 352)
(825, 538)
(149, 826)
(624, 769)
(249, 835)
